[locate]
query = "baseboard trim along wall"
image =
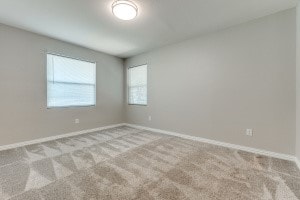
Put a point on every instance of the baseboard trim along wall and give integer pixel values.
(297, 162)
(199, 139)
(224, 144)
(20, 144)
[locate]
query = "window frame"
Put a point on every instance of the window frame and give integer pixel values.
(128, 79)
(74, 58)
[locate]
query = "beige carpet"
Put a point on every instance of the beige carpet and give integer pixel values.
(126, 163)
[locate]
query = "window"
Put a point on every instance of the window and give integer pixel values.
(137, 85)
(70, 82)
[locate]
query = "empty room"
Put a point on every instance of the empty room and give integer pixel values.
(150, 100)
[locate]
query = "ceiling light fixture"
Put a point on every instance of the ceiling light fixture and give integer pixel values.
(124, 9)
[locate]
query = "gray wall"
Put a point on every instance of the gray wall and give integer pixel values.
(218, 85)
(23, 112)
(298, 85)
(214, 86)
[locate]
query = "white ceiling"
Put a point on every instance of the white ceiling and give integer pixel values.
(90, 23)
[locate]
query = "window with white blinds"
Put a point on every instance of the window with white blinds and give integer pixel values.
(137, 85)
(70, 82)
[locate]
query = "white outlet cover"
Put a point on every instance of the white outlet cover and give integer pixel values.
(77, 121)
(249, 132)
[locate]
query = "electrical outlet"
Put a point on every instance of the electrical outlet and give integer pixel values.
(249, 132)
(76, 121)
(149, 118)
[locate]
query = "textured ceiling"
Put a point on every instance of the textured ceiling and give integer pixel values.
(90, 23)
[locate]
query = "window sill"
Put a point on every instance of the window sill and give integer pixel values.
(137, 104)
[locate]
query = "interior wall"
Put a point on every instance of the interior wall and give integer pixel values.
(23, 88)
(218, 85)
(298, 85)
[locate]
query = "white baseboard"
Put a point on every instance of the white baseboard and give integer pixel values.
(224, 144)
(199, 139)
(297, 162)
(20, 144)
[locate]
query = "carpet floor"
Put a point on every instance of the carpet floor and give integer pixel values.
(126, 163)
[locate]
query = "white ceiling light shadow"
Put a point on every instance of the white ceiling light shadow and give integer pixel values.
(124, 9)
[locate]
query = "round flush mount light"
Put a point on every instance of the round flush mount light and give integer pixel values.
(124, 9)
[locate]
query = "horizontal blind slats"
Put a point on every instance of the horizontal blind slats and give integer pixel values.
(137, 85)
(70, 82)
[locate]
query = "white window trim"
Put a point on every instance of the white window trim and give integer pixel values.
(75, 58)
(128, 78)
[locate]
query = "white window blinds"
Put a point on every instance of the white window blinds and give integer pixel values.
(137, 85)
(70, 82)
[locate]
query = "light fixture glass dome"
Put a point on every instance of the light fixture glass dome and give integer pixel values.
(124, 9)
